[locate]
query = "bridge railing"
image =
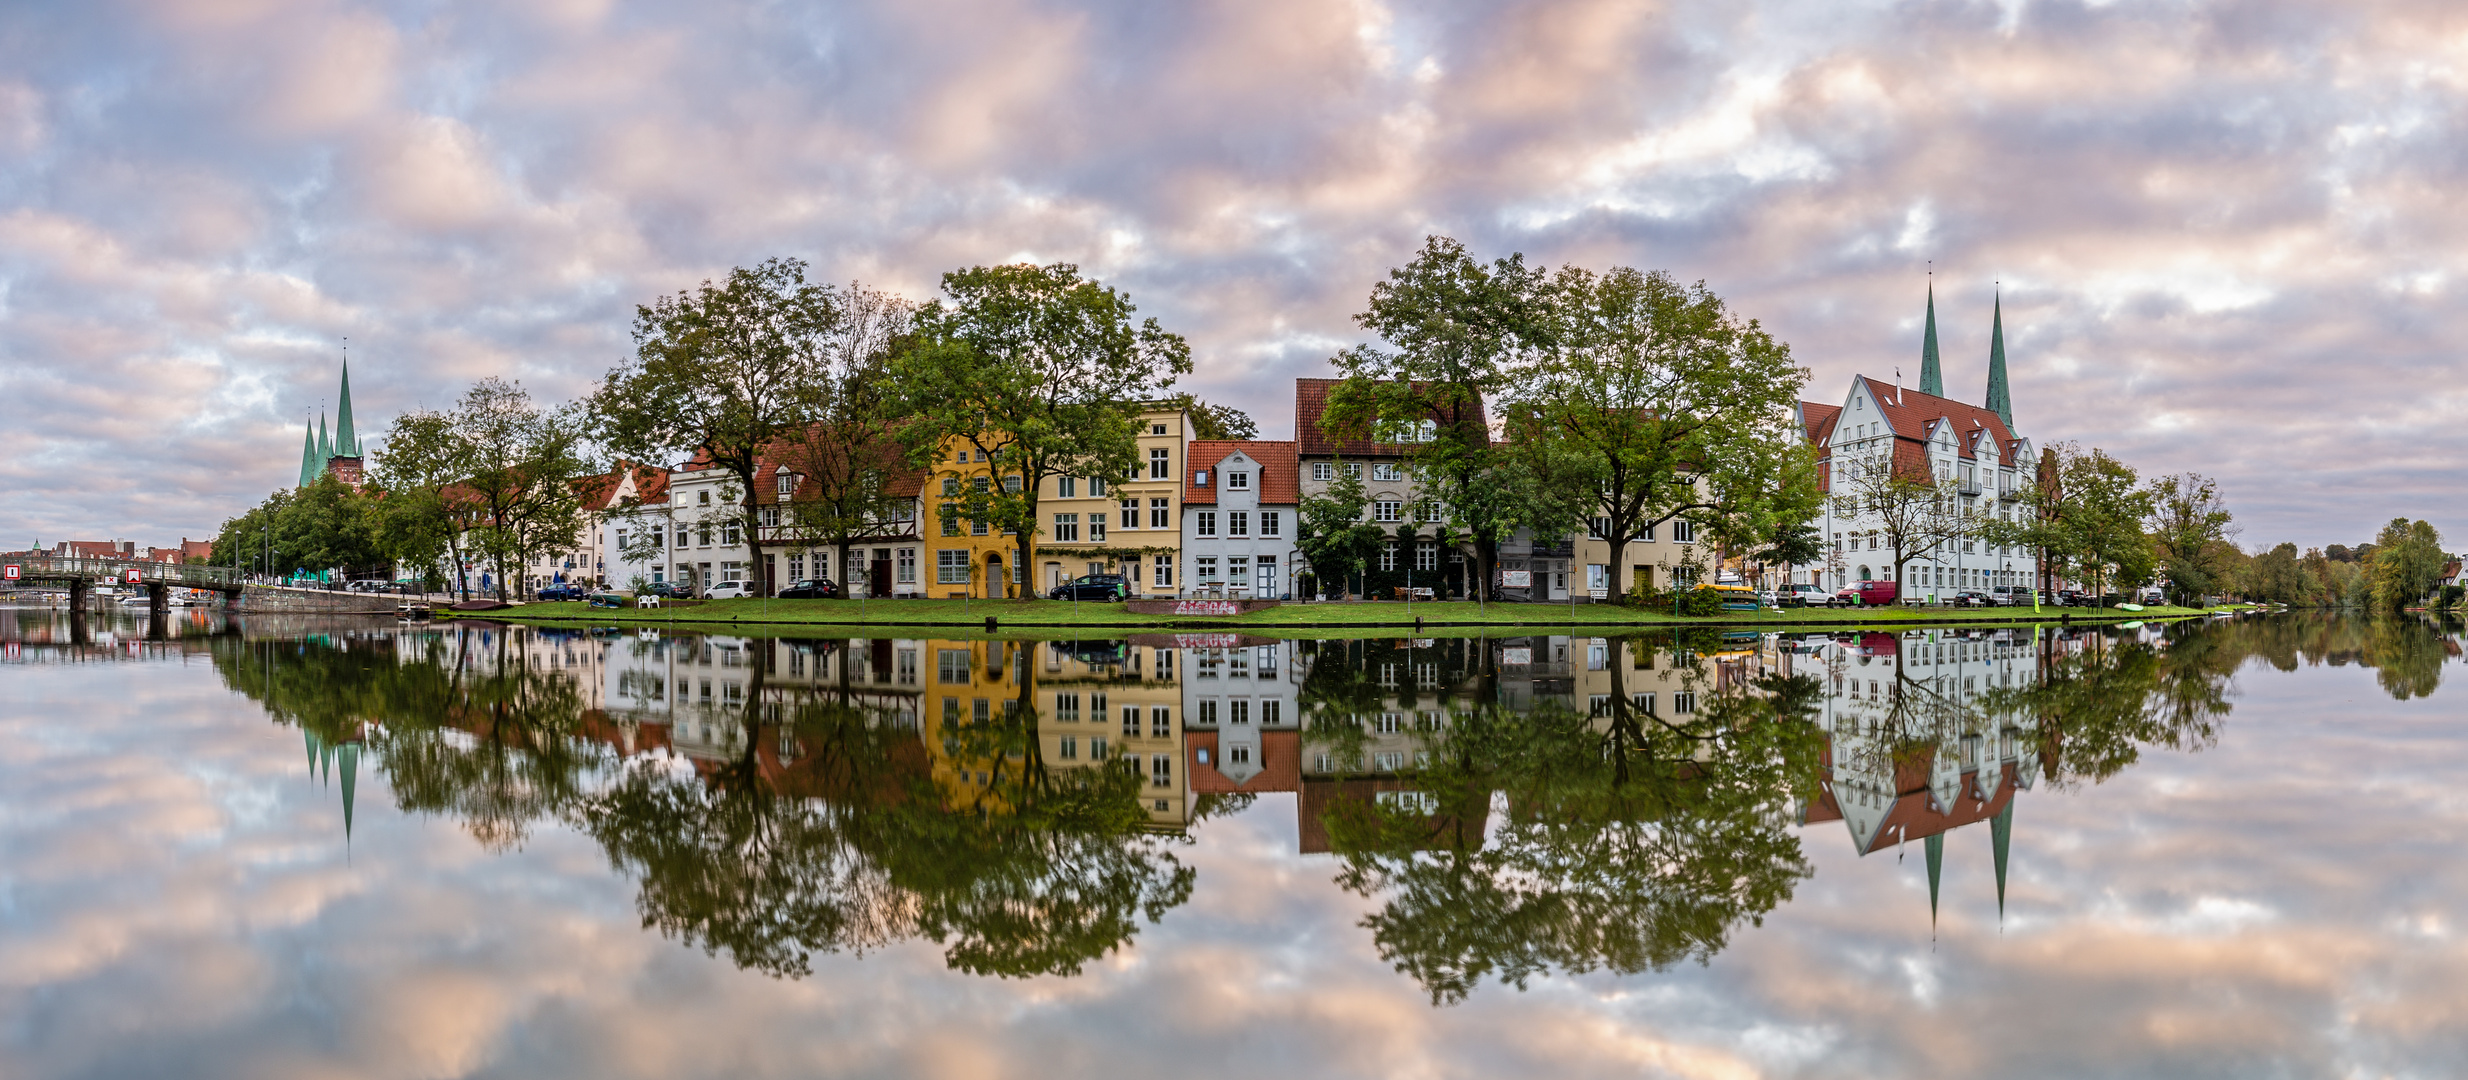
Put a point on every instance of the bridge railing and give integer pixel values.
(184, 575)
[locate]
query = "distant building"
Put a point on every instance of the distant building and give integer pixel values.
(338, 454)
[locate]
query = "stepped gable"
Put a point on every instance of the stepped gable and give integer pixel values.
(1311, 403)
(1279, 482)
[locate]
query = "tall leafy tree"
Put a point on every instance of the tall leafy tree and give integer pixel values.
(1333, 534)
(522, 464)
(845, 469)
(724, 372)
(1656, 401)
(1037, 370)
(1455, 331)
(419, 464)
(1915, 513)
(2407, 562)
(2189, 528)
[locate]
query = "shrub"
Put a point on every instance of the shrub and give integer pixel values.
(1697, 603)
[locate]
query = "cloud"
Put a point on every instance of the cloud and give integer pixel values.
(2225, 230)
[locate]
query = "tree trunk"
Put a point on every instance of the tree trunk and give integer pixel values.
(759, 571)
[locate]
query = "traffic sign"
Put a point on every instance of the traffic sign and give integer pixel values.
(135, 577)
(12, 572)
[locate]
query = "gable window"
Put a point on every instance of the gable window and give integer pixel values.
(1238, 481)
(788, 482)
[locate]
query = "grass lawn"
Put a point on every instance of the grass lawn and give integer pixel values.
(788, 615)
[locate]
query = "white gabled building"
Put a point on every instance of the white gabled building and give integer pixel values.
(1239, 503)
(1973, 449)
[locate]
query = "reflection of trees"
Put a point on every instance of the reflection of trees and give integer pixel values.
(1628, 843)
(825, 832)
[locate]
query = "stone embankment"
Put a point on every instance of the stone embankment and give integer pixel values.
(274, 598)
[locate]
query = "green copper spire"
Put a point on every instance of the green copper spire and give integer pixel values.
(2000, 399)
(346, 440)
(1936, 871)
(2001, 836)
(308, 455)
(350, 755)
(325, 444)
(1932, 374)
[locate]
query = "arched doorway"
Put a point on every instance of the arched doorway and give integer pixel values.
(1865, 575)
(993, 577)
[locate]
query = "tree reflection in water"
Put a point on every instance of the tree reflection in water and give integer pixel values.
(1513, 808)
(826, 831)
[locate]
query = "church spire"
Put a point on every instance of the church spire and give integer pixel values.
(2000, 398)
(1936, 871)
(346, 440)
(2001, 837)
(325, 444)
(1932, 374)
(308, 454)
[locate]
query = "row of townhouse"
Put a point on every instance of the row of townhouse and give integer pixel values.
(1190, 516)
(1194, 516)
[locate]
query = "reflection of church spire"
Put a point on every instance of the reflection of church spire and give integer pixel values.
(1936, 871)
(350, 753)
(2001, 836)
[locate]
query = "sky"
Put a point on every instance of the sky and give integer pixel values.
(2225, 234)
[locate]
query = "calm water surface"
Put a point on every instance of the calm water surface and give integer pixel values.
(340, 848)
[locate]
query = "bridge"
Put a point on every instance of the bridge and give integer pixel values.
(82, 574)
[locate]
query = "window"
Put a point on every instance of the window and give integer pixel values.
(1388, 555)
(1160, 463)
(1160, 513)
(1199, 478)
(1238, 481)
(1096, 487)
(1067, 708)
(1165, 571)
(1206, 523)
(1131, 513)
(951, 669)
(788, 481)
(1066, 487)
(1427, 555)
(1683, 702)
(1598, 528)
(1067, 528)
(951, 567)
(908, 566)
(1204, 568)
(1160, 721)
(976, 527)
(1238, 755)
(1160, 770)
(681, 536)
(1354, 470)
(1683, 532)
(1096, 528)
(1270, 523)
(1237, 523)
(1208, 713)
(1156, 428)
(951, 487)
(1131, 721)
(1385, 471)
(1646, 534)
(1096, 748)
(1069, 748)
(732, 571)
(1239, 711)
(1268, 710)
(1237, 569)
(702, 535)
(732, 535)
(796, 566)
(1386, 510)
(1323, 471)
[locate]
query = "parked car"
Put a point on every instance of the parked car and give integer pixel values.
(666, 590)
(1971, 598)
(1801, 595)
(730, 590)
(2010, 595)
(563, 591)
(1867, 593)
(1106, 588)
(811, 589)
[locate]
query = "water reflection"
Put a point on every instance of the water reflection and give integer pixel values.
(1506, 808)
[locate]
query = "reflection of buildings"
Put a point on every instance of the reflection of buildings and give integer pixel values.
(1915, 745)
(1244, 719)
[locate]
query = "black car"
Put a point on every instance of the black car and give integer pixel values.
(1101, 587)
(811, 589)
(667, 590)
(560, 592)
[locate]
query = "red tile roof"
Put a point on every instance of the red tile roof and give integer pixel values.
(1279, 480)
(1914, 415)
(1818, 421)
(1311, 403)
(1281, 764)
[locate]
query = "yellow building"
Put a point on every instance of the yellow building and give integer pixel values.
(964, 557)
(1094, 702)
(1131, 525)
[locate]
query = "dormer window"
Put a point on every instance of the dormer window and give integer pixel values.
(1238, 481)
(1199, 478)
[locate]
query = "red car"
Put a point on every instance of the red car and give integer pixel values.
(1867, 593)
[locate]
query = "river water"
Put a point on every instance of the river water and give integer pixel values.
(295, 848)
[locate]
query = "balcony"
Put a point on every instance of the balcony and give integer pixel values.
(1969, 486)
(2010, 495)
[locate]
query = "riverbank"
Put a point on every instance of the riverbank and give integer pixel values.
(784, 616)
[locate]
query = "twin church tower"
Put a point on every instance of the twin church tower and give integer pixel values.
(1932, 374)
(340, 454)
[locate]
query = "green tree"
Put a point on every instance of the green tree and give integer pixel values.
(723, 373)
(523, 463)
(1915, 514)
(1216, 421)
(1653, 400)
(2406, 563)
(1456, 330)
(1333, 534)
(419, 464)
(2189, 530)
(845, 469)
(2085, 517)
(1039, 371)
